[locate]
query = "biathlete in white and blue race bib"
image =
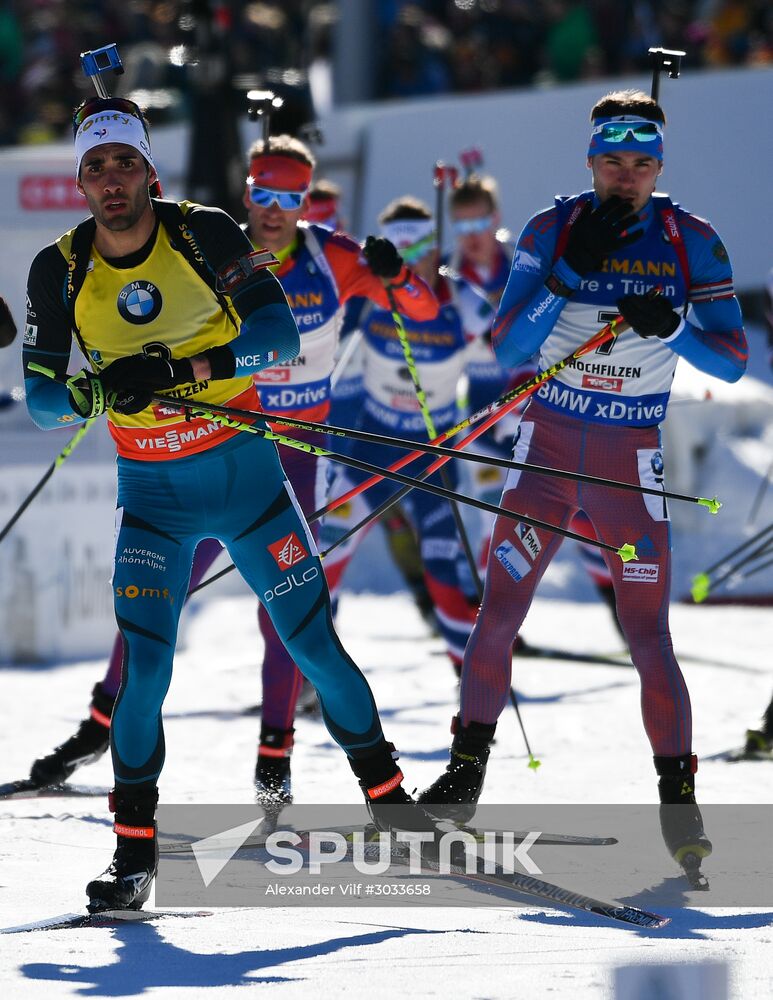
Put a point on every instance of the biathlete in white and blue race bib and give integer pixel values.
(390, 407)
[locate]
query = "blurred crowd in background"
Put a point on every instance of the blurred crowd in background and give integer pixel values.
(423, 47)
(436, 46)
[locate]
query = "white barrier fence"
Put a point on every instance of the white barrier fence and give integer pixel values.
(55, 564)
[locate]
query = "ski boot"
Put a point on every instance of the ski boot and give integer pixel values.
(759, 742)
(87, 745)
(272, 770)
(381, 780)
(126, 883)
(458, 788)
(758, 746)
(681, 822)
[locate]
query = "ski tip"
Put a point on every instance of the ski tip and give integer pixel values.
(47, 923)
(641, 918)
(25, 788)
(713, 504)
(627, 552)
(701, 585)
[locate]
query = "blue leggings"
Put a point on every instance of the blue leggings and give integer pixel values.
(235, 492)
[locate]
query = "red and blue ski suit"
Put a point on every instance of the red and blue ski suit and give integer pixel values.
(601, 417)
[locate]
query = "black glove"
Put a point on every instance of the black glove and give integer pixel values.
(382, 257)
(7, 325)
(649, 316)
(146, 372)
(87, 394)
(131, 400)
(599, 232)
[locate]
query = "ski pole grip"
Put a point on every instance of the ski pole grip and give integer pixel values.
(33, 366)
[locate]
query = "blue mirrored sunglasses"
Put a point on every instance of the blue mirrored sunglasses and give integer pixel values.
(619, 131)
(463, 227)
(288, 201)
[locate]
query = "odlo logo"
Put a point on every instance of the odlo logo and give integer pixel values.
(290, 582)
(288, 551)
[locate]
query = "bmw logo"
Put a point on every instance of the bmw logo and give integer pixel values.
(656, 463)
(139, 302)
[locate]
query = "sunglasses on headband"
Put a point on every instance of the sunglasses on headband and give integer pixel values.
(463, 227)
(619, 131)
(98, 105)
(288, 201)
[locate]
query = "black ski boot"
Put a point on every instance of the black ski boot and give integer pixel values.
(759, 742)
(381, 780)
(87, 745)
(458, 788)
(126, 883)
(272, 770)
(759, 745)
(681, 822)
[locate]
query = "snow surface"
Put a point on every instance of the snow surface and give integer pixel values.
(582, 720)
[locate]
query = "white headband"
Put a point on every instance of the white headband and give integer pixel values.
(111, 126)
(406, 232)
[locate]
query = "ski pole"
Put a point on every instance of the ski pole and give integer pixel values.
(492, 412)
(751, 572)
(429, 423)
(733, 578)
(488, 415)
(702, 582)
(626, 551)
(761, 491)
(495, 410)
(534, 763)
(421, 448)
(461, 531)
(738, 549)
(63, 455)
